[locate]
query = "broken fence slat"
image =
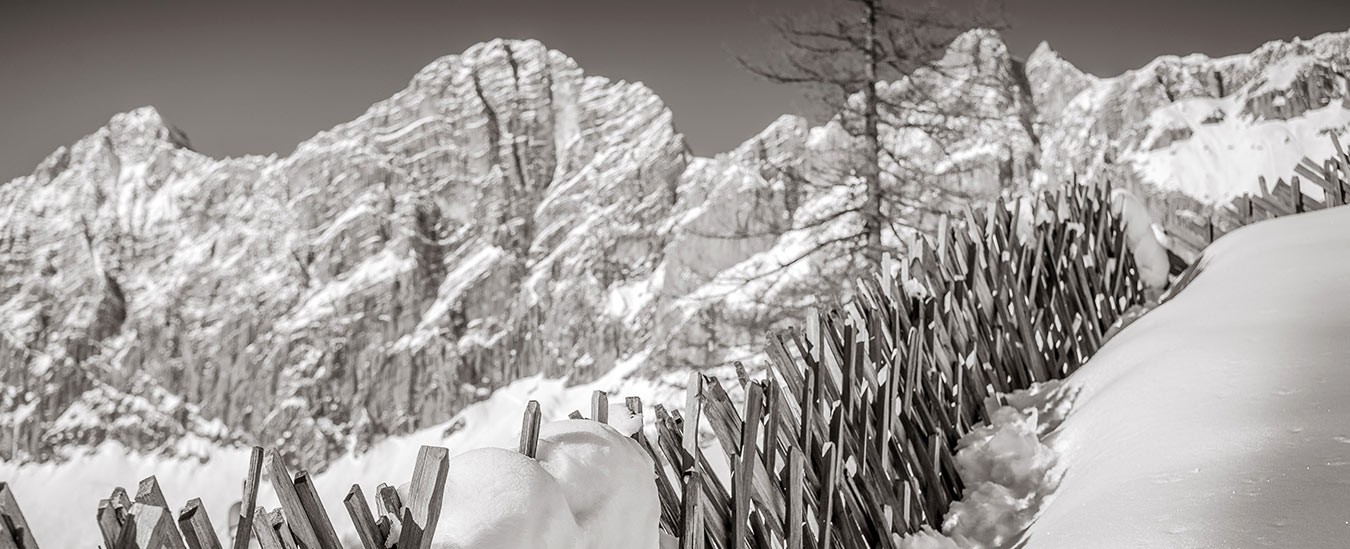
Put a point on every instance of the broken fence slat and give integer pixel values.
(600, 406)
(108, 525)
(426, 493)
(359, 510)
(196, 526)
(318, 516)
(9, 507)
(262, 529)
(529, 429)
(121, 503)
(247, 506)
(154, 528)
(385, 526)
(277, 520)
(389, 503)
(291, 506)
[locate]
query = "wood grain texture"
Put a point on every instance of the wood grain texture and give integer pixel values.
(318, 516)
(247, 506)
(359, 511)
(291, 506)
(196, 526)
(149, 493)
(426, 493)
(155, 528)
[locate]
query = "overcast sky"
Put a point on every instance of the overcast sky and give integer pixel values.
(248, 76)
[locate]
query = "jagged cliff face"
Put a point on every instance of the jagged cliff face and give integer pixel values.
(508, 215)
(387, 272)
(503, 216)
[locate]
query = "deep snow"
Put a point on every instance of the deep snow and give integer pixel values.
(1221, 418)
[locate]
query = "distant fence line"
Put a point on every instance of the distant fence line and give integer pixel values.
(848, 441)
(1193, 226)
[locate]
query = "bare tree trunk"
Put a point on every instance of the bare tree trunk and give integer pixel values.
(871, 174)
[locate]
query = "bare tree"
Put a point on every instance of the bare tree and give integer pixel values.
(857, 58)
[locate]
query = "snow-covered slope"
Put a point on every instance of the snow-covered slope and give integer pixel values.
(1221, 418)
(1205, 127)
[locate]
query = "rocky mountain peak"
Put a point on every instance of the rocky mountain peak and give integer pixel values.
(142, 129)
(1053, 82)
(507, 215)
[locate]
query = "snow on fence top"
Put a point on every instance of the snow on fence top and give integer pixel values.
(848, 440)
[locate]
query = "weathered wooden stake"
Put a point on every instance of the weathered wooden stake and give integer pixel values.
(425, 495)
(196, 526)
(9, 507)
(359, 510)
(744, 471)
(795, 526)
(154, 528)
(318, 516)
(291, 506)
(246, 506)
(262, 529)
(600, 406)
(529, 430)
(692, 536)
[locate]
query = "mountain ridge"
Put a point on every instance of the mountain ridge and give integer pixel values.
(507, 215)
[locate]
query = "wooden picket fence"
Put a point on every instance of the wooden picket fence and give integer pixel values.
(848, 440)
(1197, 226)
(301, 522)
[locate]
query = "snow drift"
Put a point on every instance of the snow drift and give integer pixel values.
(1221, 418)
(590, 488)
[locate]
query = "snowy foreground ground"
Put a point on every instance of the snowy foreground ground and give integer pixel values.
(603, 477)
(1221, 418)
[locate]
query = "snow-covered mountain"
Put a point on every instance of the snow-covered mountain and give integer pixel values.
(507, 215)
(1205, 127)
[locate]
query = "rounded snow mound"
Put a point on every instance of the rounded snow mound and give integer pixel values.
(500, 498)
(589, 487)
